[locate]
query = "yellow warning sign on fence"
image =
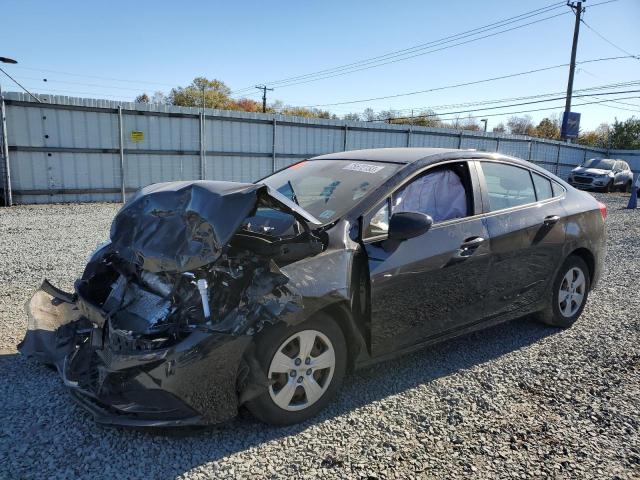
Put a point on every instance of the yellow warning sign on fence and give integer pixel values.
(137, 136)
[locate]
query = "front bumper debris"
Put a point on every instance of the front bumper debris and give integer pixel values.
(190, 383)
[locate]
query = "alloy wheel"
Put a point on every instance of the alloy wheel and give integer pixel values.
(572, 291)
(301, 370)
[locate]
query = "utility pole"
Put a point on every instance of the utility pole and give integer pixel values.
(577, 8)
(264, 96)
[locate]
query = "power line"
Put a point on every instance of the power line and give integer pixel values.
(353, 67)
(94, 76)
(559, 107)
(329, 73)
(511, 99)
(512, 105)
(609, 41)
(463, 84)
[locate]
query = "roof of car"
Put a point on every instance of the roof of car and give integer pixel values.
(397, 155)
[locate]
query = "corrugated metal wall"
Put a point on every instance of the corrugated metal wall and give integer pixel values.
(69, 149)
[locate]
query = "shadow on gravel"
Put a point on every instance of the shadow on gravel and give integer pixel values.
(27, 420)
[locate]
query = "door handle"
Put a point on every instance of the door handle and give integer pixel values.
(466, 250)
(471, 243)
(551, 220)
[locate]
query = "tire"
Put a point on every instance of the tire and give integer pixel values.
(607, 188)
(306, 401)
(565, 313)
(627, 187)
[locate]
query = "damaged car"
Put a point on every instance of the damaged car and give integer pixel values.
(214, 295)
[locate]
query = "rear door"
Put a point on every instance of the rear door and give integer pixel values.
(526, 226)
(428, 285)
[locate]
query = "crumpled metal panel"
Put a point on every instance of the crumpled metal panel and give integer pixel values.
(180, 226)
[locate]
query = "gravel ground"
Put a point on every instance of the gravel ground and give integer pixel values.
(518, 400)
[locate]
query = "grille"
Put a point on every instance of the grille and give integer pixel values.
(579, 179)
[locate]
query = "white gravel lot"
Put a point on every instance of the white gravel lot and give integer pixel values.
(519, 400)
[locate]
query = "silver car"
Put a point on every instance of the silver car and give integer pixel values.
(605, 174)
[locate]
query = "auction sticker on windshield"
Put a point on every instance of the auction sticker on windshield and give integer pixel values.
(363, 167)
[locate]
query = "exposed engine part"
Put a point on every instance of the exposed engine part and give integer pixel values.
(203, 288)
(156, 283)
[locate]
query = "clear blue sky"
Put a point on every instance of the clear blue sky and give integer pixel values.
(244, 43)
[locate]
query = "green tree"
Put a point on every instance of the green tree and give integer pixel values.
(521, 125)
(216, 94)
(548, 128)
(596, 138)
(626, 135)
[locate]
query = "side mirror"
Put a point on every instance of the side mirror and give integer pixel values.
(406, 225)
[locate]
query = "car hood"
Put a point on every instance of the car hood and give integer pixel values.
(180, 226)
(592, 171)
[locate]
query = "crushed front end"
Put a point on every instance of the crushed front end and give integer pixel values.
(159, 329)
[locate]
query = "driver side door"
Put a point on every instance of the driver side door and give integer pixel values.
(429, 285)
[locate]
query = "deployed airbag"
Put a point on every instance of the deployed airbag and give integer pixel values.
(439, 194)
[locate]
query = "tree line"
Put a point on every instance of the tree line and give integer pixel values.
(216, 94)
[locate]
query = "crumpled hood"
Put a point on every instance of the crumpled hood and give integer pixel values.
(180, 226)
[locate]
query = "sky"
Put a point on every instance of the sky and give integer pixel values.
(117, 50)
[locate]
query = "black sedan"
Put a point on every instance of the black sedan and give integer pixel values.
(212, 295)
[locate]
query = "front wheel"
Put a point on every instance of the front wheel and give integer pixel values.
(627, 187)
(608, 187)
(304, 365)
(570, 292)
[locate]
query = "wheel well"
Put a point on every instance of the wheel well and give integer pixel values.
(341, 313)
(588, 258)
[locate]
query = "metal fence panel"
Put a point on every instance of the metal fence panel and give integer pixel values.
(359, 139)
(419, 139)
(69, 150)
(144, 169)
(161, 133)
(237, 169)
(479, 143)
(234, 136)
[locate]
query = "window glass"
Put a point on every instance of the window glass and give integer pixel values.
(379, 223)
(439, 193)
(543, 187)
(558, 190)
(507, 186)
(599, 163)
(329, 188)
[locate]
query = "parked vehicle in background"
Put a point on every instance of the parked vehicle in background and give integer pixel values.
(211, 295)
(604, 174)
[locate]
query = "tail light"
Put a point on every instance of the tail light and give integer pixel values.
(603, 210)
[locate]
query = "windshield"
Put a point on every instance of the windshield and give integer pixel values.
(600, 163)
(328, 189)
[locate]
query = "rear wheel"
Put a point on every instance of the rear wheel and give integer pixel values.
(570, 292)
(304, 364)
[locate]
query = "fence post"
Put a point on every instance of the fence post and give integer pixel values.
(273, 149)
(346, 133)
(121, 140)
(557, 160)
(203, 154)
(498, 144)
(460, 140)
(8, 196)
(409, 136)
